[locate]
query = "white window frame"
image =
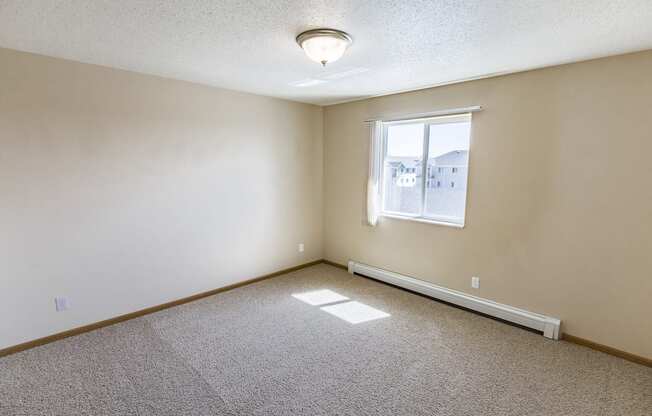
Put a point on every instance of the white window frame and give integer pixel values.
(421, 217)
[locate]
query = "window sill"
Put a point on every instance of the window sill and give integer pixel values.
(422, 220)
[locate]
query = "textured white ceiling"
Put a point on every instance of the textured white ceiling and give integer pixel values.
(398, 44)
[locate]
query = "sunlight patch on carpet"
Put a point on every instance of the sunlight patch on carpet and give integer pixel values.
(355, 312)
(320, 297)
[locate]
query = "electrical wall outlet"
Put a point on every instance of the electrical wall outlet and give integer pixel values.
(301, 247)
(61, 304)
(475, 282)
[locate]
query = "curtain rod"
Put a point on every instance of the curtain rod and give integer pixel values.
(415, 116)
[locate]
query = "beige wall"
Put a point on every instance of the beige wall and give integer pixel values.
(559, 214)
(123, 191)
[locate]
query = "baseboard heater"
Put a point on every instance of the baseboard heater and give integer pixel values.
(549, 326)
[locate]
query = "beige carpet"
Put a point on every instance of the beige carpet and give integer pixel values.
(258, 350)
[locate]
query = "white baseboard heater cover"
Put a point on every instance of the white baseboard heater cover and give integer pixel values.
(549, 326)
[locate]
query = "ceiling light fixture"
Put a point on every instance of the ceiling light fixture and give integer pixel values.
(324, 45)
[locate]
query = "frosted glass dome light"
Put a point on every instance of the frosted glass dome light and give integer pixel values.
(324, 45)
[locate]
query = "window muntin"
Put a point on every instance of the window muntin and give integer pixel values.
(440, 147)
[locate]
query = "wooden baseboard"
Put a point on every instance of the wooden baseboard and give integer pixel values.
(111, 321)
(608, 350)
(332, 263)
(101, 324)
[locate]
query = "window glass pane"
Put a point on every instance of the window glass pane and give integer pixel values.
(402, 169)
(448, 162)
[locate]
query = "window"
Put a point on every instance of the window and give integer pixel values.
(437, 146)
